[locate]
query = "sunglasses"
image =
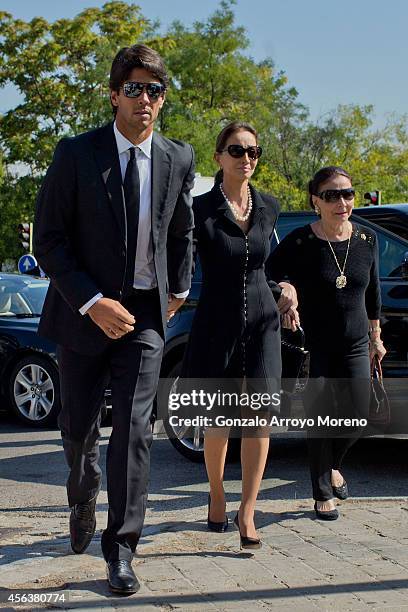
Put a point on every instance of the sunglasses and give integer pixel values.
(133, 89)
(239, 151)
(334, 195)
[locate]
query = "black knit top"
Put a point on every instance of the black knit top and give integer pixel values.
(330, 316)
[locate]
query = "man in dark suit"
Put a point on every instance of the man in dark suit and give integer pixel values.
(113, 231)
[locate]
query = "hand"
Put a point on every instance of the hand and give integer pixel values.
(290, 320)
(173, 305)
(288, 298)
(376, 347)
(113, 319)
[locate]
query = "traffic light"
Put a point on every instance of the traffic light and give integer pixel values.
(25, 231)
(373, 197)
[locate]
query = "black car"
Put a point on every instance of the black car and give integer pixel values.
(393, 252)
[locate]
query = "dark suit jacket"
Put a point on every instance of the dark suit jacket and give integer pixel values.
(237, 302)
(80, 230)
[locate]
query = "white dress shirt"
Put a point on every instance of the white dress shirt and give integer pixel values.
(145, 276)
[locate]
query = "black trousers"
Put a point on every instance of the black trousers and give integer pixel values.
(131, 367)
(338, 387)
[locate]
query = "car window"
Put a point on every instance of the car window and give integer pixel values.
(391, 254)
(391, 221)
(285, 225)
(21, 297)
(393, 226)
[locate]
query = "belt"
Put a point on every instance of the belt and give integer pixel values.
(144, 292)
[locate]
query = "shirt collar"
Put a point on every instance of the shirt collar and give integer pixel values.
(124, 144)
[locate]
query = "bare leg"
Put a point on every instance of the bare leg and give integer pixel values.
(254, 452)
(215, 450)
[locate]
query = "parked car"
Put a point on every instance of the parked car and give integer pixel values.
(29, 383)
(393, 252)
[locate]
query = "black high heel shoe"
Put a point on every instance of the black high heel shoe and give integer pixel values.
(245, 542)
(326, 515)
(342, 491)
(214, 525)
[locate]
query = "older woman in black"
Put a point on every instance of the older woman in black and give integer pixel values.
(334, 266)
(236, 328)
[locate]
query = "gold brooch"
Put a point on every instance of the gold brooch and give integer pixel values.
(363, 236)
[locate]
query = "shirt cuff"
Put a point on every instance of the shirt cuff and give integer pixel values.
(84, 309)
(181, 295)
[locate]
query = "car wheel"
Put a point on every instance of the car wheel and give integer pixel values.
(34, 391)
(188, 441)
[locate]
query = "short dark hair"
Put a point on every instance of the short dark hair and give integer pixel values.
(136, 56)
(226, 132)
(323, 175)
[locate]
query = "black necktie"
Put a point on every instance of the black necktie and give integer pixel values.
(131, 188)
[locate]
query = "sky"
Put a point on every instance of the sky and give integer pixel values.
(347, 52)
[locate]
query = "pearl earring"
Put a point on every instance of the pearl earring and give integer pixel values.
(317, 210)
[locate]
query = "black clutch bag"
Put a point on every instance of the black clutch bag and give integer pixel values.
(379, 409)
(295, 361)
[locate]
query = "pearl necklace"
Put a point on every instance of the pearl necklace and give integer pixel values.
(235, 210)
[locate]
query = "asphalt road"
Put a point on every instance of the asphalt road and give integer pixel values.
(34, 458)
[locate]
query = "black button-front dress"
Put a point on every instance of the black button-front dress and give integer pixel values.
(236, 327)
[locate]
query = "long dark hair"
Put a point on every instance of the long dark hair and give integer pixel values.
(321, 176)
(136, 56)
(222, 138)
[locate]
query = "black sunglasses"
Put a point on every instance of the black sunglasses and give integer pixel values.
(133, 89)
(239, 151)
(334, 195)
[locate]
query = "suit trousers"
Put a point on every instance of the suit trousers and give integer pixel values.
(131, 367)
(338, 387)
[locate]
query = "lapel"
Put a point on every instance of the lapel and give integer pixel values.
(161, 177)
(106, 153)
(224, 210)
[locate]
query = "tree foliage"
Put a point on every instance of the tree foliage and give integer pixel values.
(61, 70)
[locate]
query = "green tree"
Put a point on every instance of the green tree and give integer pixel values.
(61, 70)
(214, 82)
(376, 159)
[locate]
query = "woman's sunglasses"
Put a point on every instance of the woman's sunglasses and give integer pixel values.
(239, 151)
(334, 195)
(133, 89)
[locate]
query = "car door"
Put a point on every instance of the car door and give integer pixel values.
(394, 323)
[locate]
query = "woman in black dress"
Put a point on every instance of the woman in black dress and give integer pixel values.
(333, 264)
(236, 329)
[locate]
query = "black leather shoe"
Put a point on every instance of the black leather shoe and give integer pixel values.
(214, 525)
(326, 515)
(121, 577)
(245, 542)
(82, 524)
(342, 491)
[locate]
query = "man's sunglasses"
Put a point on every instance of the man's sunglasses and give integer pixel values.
(334, 195)
(239, 151)
(133, 89)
